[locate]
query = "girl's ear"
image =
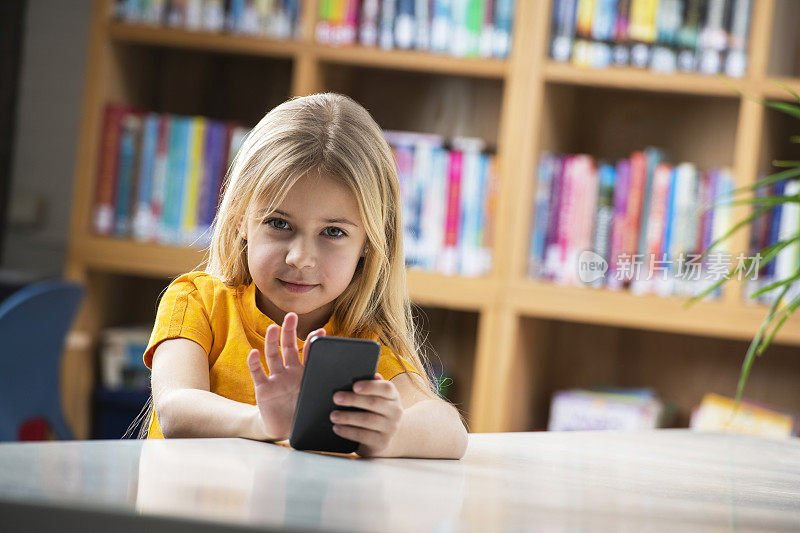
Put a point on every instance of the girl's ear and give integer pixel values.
(243, 230)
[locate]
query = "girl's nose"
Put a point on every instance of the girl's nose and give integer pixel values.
(301, 255)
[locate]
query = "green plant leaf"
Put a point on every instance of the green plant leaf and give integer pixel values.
(755, 214)
(787, 89)
(772, 286)
(786, 164)
(786, 312)
(769, 180)
(794, 139)
(789, 109)
(772, 201)
(749, 357)
(705, 292)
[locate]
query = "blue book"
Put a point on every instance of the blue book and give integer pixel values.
(503, 21)
(669, 219)
(563, 29)
(176, 176)
(654, 157)
(404, 24)
(143, 212)
(547, 167)
(131, 127)
(775, 226)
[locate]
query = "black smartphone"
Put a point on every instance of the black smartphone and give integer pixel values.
(332, 364)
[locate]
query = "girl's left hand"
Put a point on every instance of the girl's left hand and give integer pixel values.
(375, 427)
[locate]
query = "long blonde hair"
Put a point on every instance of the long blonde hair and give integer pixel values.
(333, 134)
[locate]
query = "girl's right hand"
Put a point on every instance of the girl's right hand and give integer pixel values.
(276, 394)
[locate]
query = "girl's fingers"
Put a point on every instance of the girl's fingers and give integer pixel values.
(256, 370)
(291, 357)
(376, 404)
(271, 351)
(318, 333)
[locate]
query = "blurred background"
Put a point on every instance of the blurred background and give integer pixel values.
(527, 135)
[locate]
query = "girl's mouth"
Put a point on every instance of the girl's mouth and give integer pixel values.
(296, 287)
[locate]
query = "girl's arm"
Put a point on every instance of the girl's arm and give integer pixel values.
(402, 420)
(184, 403)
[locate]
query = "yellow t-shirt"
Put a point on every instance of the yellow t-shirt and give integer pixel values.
(227, 323)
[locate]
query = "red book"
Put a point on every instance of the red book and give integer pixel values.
(635, 200)
(107, 162)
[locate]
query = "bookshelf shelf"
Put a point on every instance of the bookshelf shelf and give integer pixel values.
(776, 92)
(643, 80)
(203, 40)
(648, 312)
(515, 340)
(412, 60)
(347, 55)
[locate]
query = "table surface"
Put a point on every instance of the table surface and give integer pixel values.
(665, 479)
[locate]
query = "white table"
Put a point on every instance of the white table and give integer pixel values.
(585, 481)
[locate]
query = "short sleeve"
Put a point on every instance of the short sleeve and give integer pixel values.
(390, 365)
(181, 314)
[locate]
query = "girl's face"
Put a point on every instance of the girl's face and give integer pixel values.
(302, 256)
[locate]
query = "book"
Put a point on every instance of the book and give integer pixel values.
(718, 413)
(106, 181)
(587, 410)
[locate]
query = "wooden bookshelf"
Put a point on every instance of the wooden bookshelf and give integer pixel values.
(512, 341)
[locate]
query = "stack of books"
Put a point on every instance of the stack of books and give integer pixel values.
(159, 176)
(641, 223)
(607, 409)
(273, 18)
(121, 366)
(718, 413)
(707, 36)
(781, 223)
(463, 28)
(449, 193)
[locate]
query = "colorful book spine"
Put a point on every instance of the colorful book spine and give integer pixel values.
(621, 195)
(604, 219)
(449, 257)
(106, 184)
(547, 167)
(440, 25)
(563, 29)
(388, 9)
(368, 29)
(143, 214)
(130, 138)
(194, 176)
(503, 22)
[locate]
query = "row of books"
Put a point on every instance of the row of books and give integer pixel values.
(781, 223)
(707, 36)
(274, 18)
(463, 28)
(449, 193)
(629, 409)
(641, 223)
(159, 176)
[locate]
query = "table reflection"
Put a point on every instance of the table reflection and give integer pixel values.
(268, 484)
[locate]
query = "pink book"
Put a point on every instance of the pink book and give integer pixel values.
(566, 219)
(449, 263)
(634, 211)
(655, 224)
(349, 28)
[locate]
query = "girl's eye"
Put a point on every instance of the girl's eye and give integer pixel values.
(278, 223)
(333, 231)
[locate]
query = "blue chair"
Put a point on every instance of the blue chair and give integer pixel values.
(34, 322)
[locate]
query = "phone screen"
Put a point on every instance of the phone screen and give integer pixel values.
(333, 364)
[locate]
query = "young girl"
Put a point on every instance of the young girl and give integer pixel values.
(309, 236)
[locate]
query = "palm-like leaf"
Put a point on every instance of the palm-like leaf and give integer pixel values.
(779, 311)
